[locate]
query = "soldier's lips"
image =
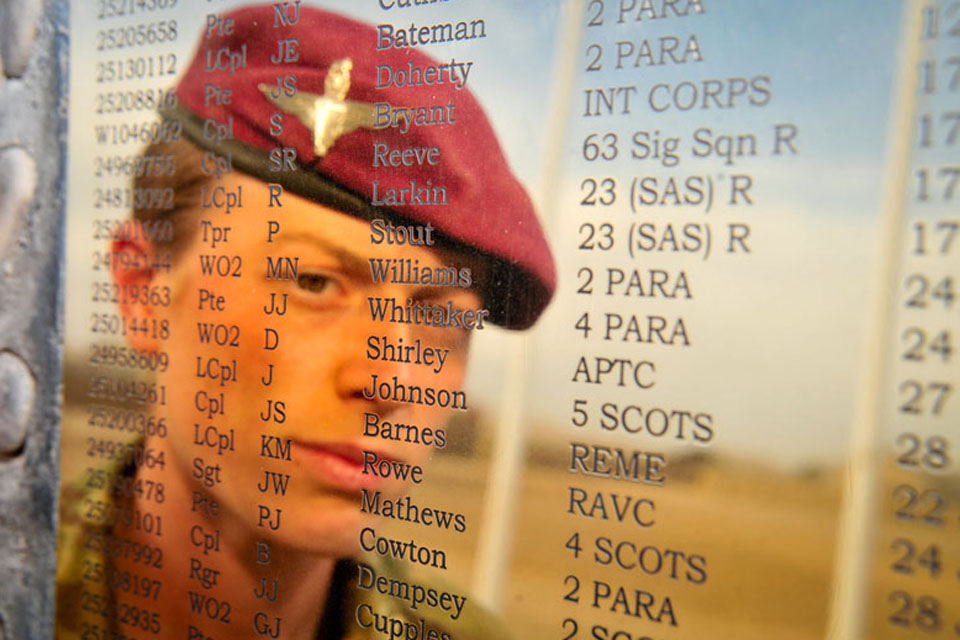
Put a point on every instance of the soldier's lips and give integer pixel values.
(340, 465)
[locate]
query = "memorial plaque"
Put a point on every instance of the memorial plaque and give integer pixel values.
(446, 319)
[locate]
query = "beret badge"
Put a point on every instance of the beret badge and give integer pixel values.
(330, 115)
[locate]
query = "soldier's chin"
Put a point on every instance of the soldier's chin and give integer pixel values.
(336, 535)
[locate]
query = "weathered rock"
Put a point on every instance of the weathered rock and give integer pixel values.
(34, 45)
(18, 182)
(16, 399)
(18, 30)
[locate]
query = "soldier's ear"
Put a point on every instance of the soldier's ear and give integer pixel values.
(131, 264)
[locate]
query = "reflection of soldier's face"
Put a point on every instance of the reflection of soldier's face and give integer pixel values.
(299, 348)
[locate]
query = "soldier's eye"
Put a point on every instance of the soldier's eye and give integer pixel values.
(315, 282)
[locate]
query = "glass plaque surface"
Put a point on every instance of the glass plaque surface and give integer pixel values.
(447, 319)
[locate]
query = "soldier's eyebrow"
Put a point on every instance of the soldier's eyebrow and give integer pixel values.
(353, 263)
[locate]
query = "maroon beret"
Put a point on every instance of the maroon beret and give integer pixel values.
(358, 104)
